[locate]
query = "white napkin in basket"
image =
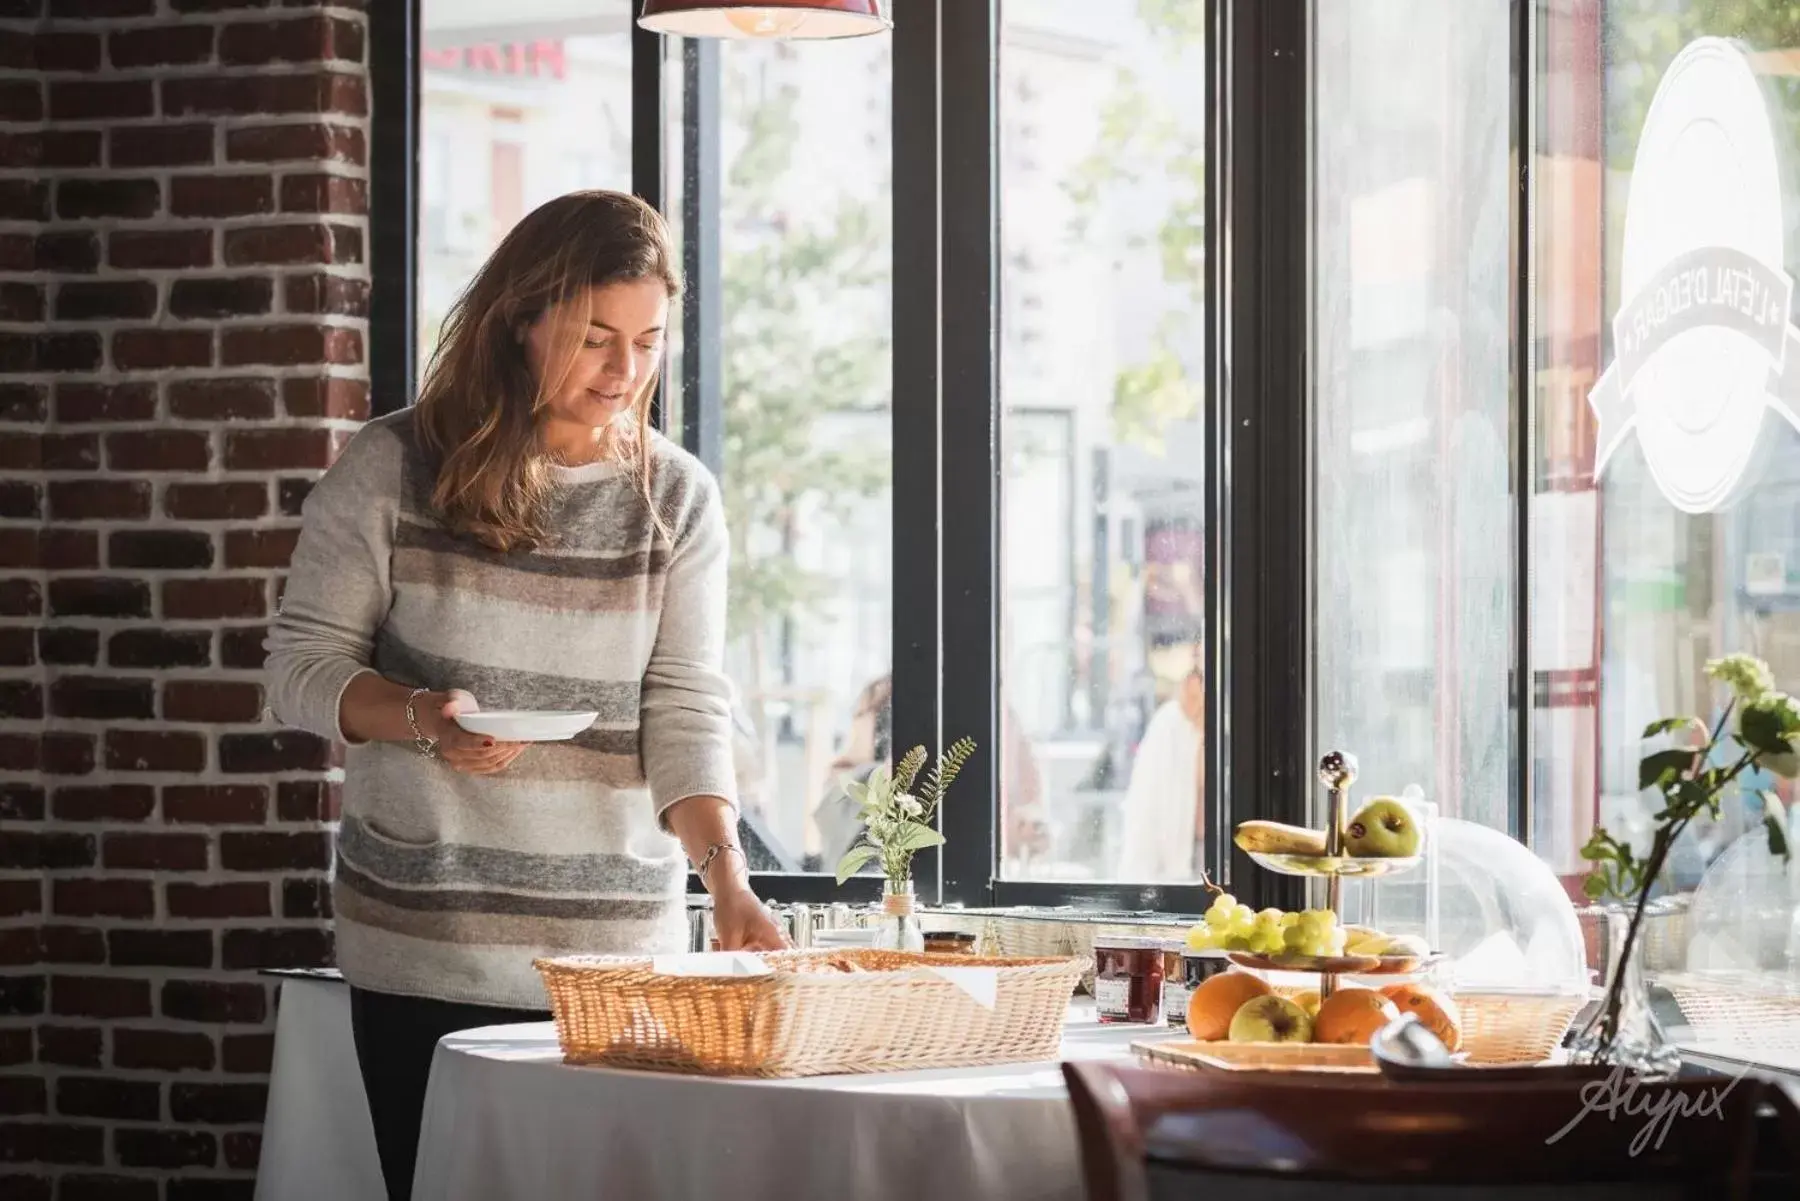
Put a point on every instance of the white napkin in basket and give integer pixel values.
(709, 963)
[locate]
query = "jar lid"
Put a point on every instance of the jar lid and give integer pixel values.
(948, 936)
(1126, 942)
(1190, 953)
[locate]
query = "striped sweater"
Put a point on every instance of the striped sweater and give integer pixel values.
(447, 885)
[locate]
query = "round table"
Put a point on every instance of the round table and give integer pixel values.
(504, 1117)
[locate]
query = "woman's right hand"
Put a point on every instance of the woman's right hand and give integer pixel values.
(471, 754)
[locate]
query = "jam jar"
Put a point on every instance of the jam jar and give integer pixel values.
(949, 942)
(1197, 967)
(1128, 979)
(1175, 990)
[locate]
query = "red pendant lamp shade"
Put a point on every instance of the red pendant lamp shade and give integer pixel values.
(765, 18)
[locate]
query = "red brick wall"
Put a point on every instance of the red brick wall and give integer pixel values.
(183, 192)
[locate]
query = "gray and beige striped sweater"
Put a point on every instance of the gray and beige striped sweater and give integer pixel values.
(448, 885)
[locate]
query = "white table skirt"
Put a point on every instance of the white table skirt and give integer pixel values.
(317, 1141)
(504, 1117)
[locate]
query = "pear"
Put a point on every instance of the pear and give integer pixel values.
(1382, 829)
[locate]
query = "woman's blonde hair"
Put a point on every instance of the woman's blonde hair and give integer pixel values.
(479, 408)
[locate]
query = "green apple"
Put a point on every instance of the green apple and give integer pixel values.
(1382, 829)
(1270, 1019)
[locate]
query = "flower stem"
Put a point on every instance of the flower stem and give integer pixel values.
(1615, 988)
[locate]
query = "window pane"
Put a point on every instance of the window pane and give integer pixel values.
(1413, 505)
(1101, 176)
(806, 254)
(514, 109)
(1667, 503)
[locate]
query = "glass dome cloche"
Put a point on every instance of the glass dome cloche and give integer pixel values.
(1740, 992)
(1494, 909)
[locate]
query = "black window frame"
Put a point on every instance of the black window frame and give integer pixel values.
(946, 408)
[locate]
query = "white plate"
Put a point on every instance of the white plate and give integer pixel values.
(527, 725)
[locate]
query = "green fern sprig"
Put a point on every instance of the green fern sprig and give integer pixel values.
(897, 822)
(944, 773)
(908, 769)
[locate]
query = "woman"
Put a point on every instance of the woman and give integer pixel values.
(1165, 810)
(520, 538)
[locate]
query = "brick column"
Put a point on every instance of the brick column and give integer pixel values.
(183, 192)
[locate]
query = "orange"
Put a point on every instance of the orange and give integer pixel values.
(1434, 1009)
(1352, 1015)
(1217, 1001)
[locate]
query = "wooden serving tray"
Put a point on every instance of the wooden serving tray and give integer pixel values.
(1258, 1057)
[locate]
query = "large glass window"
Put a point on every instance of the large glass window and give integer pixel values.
(1413, 504)
(517, 105)
(1667, 500)
(805, 258)
(1102, 120)
(1656, 259)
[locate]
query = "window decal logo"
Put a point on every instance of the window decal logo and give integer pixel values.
(1702, 340)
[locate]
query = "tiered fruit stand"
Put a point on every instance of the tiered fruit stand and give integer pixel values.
(1337, 771)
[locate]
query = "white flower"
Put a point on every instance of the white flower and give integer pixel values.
(1770, 726)
(1746, 675)
(909, 804)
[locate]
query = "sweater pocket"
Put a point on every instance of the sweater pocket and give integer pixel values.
(381, 831)
(390, 853)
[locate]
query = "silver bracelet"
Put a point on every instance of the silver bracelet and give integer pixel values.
(712, 853)
(425, 746)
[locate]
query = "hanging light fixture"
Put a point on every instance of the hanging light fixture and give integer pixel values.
(765, 18)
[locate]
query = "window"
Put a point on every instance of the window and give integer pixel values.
(1101, 139)
(502, 108)
(1666, 502)
(1593, 373)
(1413, 499)
(804, 259)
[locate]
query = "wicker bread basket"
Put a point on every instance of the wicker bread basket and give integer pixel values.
(1752, 1015)
(1501, 1027)
(816, 1013)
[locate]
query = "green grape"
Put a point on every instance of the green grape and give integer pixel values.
(1204, 938)
(1220, 913)
(1289, 920)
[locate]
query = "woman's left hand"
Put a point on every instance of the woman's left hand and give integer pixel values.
(742, 924)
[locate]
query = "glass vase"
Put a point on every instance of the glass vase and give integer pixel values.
(898, 929)
(1623, 1032)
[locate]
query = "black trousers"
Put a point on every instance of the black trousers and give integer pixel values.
(395, 1038)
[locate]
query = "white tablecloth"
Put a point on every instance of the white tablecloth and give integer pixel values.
(317, 1141)
(504, 1117)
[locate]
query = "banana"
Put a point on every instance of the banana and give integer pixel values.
(1361, 940)
(1275, 838)
(1407, 944)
